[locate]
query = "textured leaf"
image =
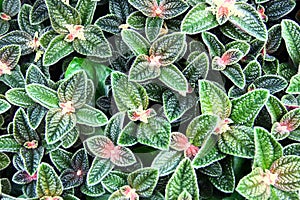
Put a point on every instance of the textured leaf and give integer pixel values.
(21, 129)
(24, 20)
(20, 38)
(56, 50)
(32, 159)
(176, 105)
(238, 141)
(294, 86)
(236, 75)
(99, 169)
(267, 149)
(114, 126)
(183, 179)
(272, 83)
(128, 136)
(58, 125)
(276, 9)
(242, 46)
(197, 69)
(167, 161)
(48, 183)
(39, 12)
(288, 173)
(4, 106)
(4, 27)
(61, 159)
(156, 133)
(74, 89)
(120, 8)
(230, 57)
(114, 180)
(136, 20)
(109, 23)
(95, 44)
(213, 100)
(4, 161)
(141, 70)
(292, 149)
(35, 75)
(9, 144)
(43, 95)
(153, 27)
(174, 79)
(225, 182)
(168, 47)
(234, 32)
(215, 47)
(207, 159)
(144, 181)
(86, 9)
(291, 36)
(11, 7)
(275, 108)
(70, 179)
(136, 42)
(15, 79)
(128, 95)
(252, 186)
(214, 170)
(10, 55)
(71, 138)
(198, 19)
(249, 21)
(246, 108)
(62, 14)
(274, 39)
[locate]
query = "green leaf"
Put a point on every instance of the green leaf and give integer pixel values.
(46, 38)
(114, 180)
(109, 23)
(277, 9)
(197, 68)
(168, 47)
(242, 46)
(252, 71)
(214, 169)
(288, 173)
(173, 8)
(167, 161)
(95, 44)
(278, 194)
(156, 133)
(185, 196)
(99, 169)
(61, 159)
(198, 19)
(135, 41)
(176, 105)
(11, 7)
(4, 161)
(230, 57)
(225, 182)
(144, 181)
(267, 149)
(4, 106)
(20, 38)
(274, 39)
(153, 27)
(10, 55)
(120, 8)
(74, 89)
(183, 179)
(35, 75)
(252, 186)
(15, 79)
(173, 78)
(43, 95)
(294, 86)
(92, 191)
(141, 70)
(136, 20)
(234, 32)
(275, 108)
(48, 183)
(246, 108)
(58, 125)
(32, 159)
(207, 157)
(144, 7)
(86, 9)
(24, 20)
(213, 100)
(39, 12)
(4, 27)
(9, 144)
(90, 116)
(238, 141)
(62, 14)
(127, 95)
(235, 74)
(273, 83)
(200, 127)
(128, 136)
(56, 50)
(215, 47)
(291, 36)
(21, 129)
(249, 21)
(114, 126)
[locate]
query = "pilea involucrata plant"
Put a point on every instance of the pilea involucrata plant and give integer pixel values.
(149, 99)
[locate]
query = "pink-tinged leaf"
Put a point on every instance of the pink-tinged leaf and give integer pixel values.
(129, 192)
(101, 146)
(288, 171)
(222, 14)
(191, 151)
(122, 156)
(231, 56)
(179, 141)
(218, 64)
